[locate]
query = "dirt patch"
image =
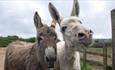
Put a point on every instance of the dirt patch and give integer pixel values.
(89, 57)
(2, 57)
(97, 58)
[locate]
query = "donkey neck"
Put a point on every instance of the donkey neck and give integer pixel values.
(39, 52)
(69, 52)
(71, 58)
(39, 55)
(69, 47)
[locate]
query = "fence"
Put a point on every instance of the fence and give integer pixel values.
(113, 37)
(104, 55)
(104, 46)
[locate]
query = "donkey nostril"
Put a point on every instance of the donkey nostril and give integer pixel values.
(81, 35)
(90, 32)
(47, 59)
(55, 59)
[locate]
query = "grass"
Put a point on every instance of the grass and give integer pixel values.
(100, 50)
(85, 67)
(109, 67)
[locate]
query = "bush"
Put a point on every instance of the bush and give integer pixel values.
(4, 41)
(32, 40)
(109, 67)
(100, 42)
(85, 67)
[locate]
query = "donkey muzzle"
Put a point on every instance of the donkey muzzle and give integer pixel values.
(50, 57)
(50, 64)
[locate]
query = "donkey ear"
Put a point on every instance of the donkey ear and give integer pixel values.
(37, 21)
(75, 9)
(54, 13)
(53, 24)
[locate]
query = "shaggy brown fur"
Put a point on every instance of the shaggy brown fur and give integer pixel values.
(18, 50)
(38, 56)
(21, 56)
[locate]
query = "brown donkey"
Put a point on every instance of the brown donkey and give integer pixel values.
(38, 56)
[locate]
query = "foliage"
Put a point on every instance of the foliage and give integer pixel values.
(4, 41)
(100, 42)
(109, 67)
(85, 67)
(32, 39)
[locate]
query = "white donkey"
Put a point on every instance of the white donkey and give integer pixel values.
(76, 37)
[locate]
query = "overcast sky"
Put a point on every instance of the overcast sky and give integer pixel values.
(16, 17)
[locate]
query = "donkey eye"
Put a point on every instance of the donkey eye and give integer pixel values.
(80, 22)
(63, 28)
(40, 38)
(53, 35)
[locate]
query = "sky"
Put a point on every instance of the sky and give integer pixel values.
(16, 17)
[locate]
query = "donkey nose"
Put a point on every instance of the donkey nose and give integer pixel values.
(50, 62)
(47, 59)
(81, 35)
(90, 32)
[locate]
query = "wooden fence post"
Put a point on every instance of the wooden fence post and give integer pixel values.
(113, 38)
(104, 56)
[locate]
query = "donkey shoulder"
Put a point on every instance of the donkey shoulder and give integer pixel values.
(18, 53)
(60, 46)
(60, 50)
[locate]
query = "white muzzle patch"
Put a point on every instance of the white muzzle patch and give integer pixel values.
(50, 52)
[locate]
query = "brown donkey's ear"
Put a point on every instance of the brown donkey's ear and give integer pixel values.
(53, 24)
(54, 13)
(37, 21)
(75, 9)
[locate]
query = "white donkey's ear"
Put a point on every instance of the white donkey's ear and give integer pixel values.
(54, 13)
(37, 21)
(75, 9)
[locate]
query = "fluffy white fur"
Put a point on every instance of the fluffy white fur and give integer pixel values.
(75, 35)
(61, 50)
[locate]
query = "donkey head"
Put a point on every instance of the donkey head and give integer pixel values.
(46, 42)
(74, 33)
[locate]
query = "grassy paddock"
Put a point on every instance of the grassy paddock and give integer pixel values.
(98, 58)
(100, 50)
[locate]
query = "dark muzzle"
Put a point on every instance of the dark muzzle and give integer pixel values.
(50, 62)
